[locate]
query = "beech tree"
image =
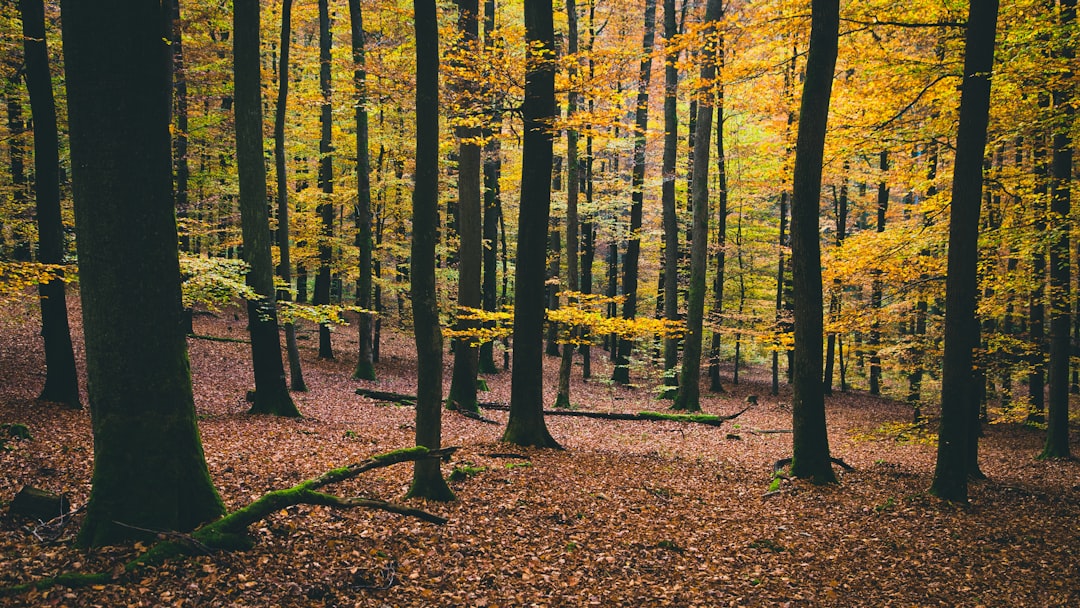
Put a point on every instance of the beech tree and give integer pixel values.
(810, 443)
(526, 425)
(959, 411)
(365, 361)
(427, 477)
(149, 468)
(61, 379)
(271, 392)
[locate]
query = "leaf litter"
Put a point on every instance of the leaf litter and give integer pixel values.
(644, 513)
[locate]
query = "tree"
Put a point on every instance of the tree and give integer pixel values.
(810, 443)
(573, 188)
(61, 379)
(365, 363)
(689, 395)
(296, 373)
(466, 356)
(492, 205)
(624, 346)
(526, 425)
(149, 468)
(721, 231)
(181, 167)
(958, 410)
(325, 209)
(1057, 436)
(667, 196)
(427, 478)
(271, 392)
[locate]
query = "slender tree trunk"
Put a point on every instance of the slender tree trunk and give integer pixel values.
(427, 477)
(61, 379)
(838, 285)
(181, 170)
(810, 443)
(1037, 303)
(491, 169)
(466, 357)
(721, 236)
(689, 395)
(621, 373)
(271, 392)
(554, 252)
(325, 208)
(876, 288)
(573, 188)
(365, 361)
(149, 468)
(1057, 436)
(961, 326)
(783, 324)
(296, 374)
(670, 285)
(526, 424)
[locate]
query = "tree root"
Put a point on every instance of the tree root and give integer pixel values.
(231, 531)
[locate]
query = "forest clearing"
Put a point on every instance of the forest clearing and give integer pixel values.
(641, 513)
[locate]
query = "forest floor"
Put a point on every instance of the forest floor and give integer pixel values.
(630, 513)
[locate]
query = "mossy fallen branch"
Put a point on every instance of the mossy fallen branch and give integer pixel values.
(230, 533)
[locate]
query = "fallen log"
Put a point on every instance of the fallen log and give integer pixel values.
(706, 419)
(231, 531)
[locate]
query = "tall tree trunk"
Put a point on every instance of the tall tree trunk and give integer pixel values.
(149, 468)
(61, 379)
(365, 361)
(271, 392)
(874, 342)
(573, 189)
(526, 424)
(783, 323)
(621, 373)
(466, 356)
(1057, 435)
(810, 443)
(554, 253)
(689, 395)
(427, 477)
(1037, 303)
(181, 170)
(961, 326)
(325, 208)
(296, 374)
(721, 236)
(491, 169)
(838, 285)
(670, 286)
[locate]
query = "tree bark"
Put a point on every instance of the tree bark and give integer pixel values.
(427, 478)
(181, 170)
(1057, 432)
(149, 468)
(621, 372)
(721, 232)
(670, 286)
(61, 378)
(961, 326)
(296, 373)
(491, 170)
(526, 425)
(689, 395)
(365, 361)
(325, 208)
(810, 444)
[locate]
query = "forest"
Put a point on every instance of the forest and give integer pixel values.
(522, 302)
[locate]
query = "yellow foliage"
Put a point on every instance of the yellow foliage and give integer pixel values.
(16, 277)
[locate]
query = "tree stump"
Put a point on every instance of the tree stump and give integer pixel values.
(42, 505)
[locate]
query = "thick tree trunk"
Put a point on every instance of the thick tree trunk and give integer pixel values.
(1057, 435)
(621, 372)
(689, 395)
(325, 208)
(961, 326)
(466, 357)
(149, 469)
(810, 444)
(365, 361)
(427, 480)
(526, 424)
(61, 379)
(296, 373)
(271, 392)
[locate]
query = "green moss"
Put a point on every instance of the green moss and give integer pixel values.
(465, 472)
(519, 465)
(402, 455)
(16, 430)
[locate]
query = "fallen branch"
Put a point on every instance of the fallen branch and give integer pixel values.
(769, 431)
(706, 419)
(783, 462)
(476, 417)
(230, 532)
